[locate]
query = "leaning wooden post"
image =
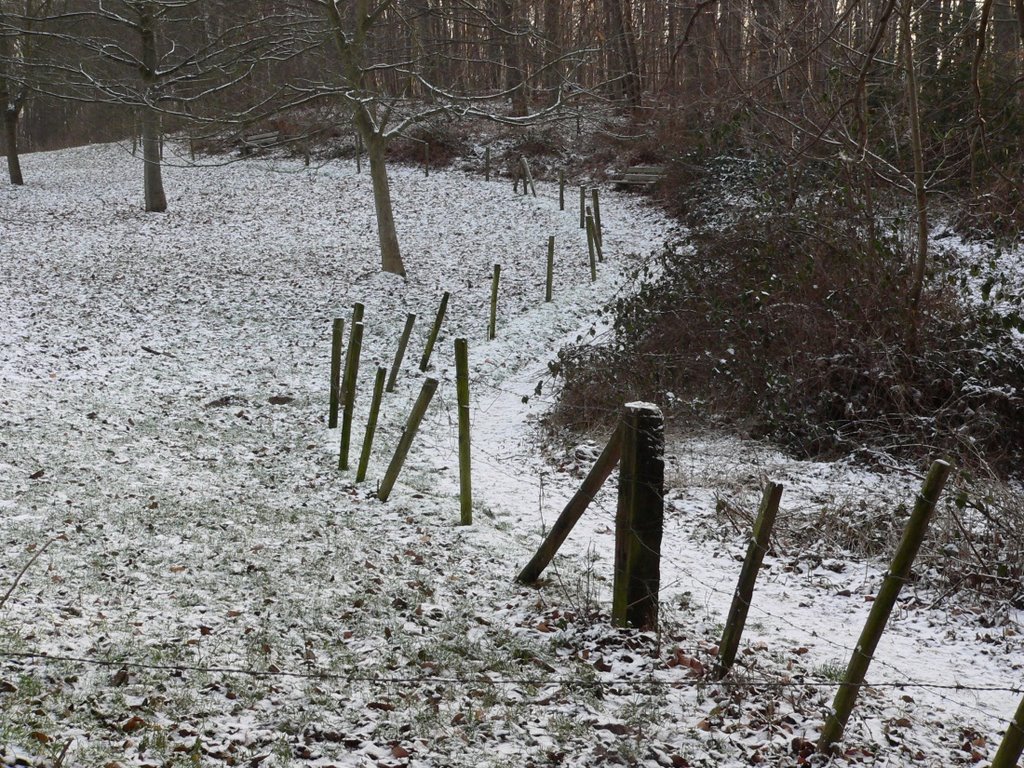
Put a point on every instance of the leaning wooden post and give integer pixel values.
(583, 207)
(434, 331)
(598, 231)
(419, 408)
(355, 344)
(591, 249)
(899, 572)
(487, 163)
(574, 509)
(593, 241)
(492, 326)
(759, 544)
(337, 334)
(403, 342)
(462, 395)
(639, 517)
(1012, 744)
(371, 423)
(561, 190)
(551, 269)
(527, 177)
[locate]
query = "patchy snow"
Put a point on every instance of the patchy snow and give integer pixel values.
(215, 591)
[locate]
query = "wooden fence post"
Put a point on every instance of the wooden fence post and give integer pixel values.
(551, 269)
(583, 207)
(574, 509)
(759, 544)
(1012, 744)
(598, 231)
(371, 424)
(639, 517)
(337, 335)
(591, 247)
(527, 177)
(492, 326)
(434, 331)
(487, 163)
(355, 344)
(885, 600)
(419, 408)
(403, 342)
(462, 395)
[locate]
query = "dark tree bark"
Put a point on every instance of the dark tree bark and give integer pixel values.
(156, 200)
(624, 69)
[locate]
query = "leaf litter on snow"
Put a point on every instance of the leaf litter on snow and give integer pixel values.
(242, 602)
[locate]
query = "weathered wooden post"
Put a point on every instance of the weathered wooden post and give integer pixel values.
(583, 207)
(549, 286)
(1008, 754)
(561, 190)
(419, 408)
(574, 510)
(639, 517)
(462, 396)
(371, 424)
(759, 544)
(337, 334)
(591, 247)
(598, 231)
(403, 342)
(487, 163)
(434, 331)
(593, 242)
(492, 326)
(899, 572)
(527, 177)
(355, 344)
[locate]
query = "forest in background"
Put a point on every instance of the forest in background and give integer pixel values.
(811, 147)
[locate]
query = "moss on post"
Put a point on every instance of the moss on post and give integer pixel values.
(371, 424)
(465, 457)
(639, 518)
(402, 450)
(885, 600)
(434, 331)
(403, 342)
(337, 335)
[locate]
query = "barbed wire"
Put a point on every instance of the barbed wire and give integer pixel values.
(483, 678)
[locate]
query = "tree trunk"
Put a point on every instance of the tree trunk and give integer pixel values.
(390, 254)
(11, 145)
(512, 44)
(156, 201)
(917, 151)
(624, 67)
(553, 33)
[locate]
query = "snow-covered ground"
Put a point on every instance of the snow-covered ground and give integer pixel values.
(212, 590)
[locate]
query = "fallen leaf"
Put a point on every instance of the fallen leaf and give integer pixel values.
(133, 724)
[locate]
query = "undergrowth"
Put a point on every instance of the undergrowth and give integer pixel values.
(783, 316)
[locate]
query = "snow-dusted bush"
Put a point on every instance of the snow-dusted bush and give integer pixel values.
(790, 321)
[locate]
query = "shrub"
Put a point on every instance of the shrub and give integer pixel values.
(786, 321)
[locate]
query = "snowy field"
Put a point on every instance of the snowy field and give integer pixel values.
(209, 589)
